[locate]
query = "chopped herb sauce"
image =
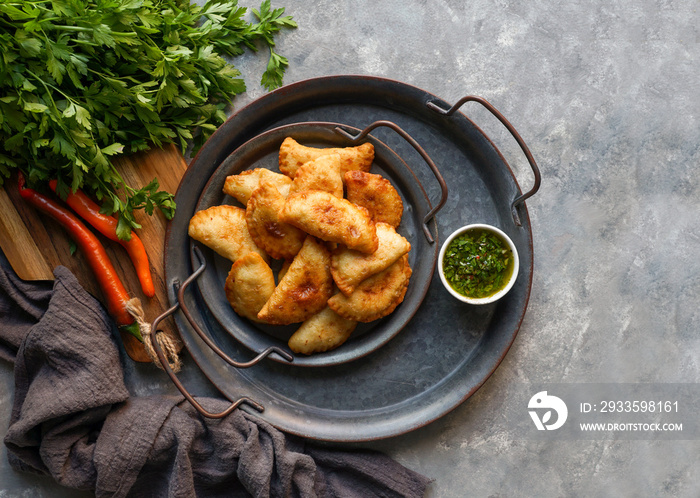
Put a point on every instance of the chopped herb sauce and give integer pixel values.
(478, 263)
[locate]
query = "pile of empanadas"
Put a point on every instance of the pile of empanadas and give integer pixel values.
(332, 223)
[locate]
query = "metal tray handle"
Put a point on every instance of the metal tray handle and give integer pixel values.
(443, 186)
(180, 290)
(536, 171)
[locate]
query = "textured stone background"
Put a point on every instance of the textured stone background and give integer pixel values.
(606, 95)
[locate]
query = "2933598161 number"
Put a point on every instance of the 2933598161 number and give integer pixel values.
(639, 406)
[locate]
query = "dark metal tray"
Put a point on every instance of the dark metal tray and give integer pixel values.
(448, 349)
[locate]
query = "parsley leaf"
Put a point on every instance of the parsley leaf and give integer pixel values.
(84, 81)
(272, 77)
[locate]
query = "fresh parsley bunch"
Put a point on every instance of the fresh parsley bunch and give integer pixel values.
(84, 80)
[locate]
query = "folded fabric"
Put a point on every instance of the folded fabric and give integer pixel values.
(73, 418)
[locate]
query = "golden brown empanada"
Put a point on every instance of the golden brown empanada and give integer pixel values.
(304, 289)
(375, 193)
(376, 296)
(241, 186)
(350, 267)
(280, 240)
(224, 229)
(331, 219)
(293, 155)
(249, 285)
(320, 174)
(322, 332)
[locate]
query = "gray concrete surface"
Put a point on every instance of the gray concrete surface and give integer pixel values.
(606, 95)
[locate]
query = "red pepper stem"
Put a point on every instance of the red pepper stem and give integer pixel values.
(133, 329)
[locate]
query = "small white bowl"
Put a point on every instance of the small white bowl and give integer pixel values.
(497, 295)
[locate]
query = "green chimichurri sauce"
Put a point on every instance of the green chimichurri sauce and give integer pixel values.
(478, 263)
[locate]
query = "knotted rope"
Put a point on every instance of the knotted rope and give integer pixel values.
(169, 345)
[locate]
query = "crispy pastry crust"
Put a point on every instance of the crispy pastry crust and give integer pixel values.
(224, 229)
(320, 174)
(377, 296)
(304, 289)
(241, 186)
(375, 193)
(350, 267)
(331, 219)
(292, 155)
(249, 285)
(280, 240)
(322, 332)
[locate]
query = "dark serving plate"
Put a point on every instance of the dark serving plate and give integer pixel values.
(447, 349)
(262, 152)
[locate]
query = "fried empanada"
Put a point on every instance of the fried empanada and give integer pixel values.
(331, 219)
(350, 267)
(305, 288)
(375, 193)
(224, 229)
(376, 296)
(320, 174)
(249, 285)
(322, 332)
(280, 240)
(241, 186)
(293, 155)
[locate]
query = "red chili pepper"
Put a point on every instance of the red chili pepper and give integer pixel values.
(107, 226)
(115, 294)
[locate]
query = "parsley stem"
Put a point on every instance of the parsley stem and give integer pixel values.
(82, 29)
(49, 85)
(85, 29)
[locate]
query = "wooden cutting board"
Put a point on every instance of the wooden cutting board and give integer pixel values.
(35, 244)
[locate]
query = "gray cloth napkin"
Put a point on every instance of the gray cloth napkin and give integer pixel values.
(73, 419)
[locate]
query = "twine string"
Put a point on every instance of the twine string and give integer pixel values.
(167, 344)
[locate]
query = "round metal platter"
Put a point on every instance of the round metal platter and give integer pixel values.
(262, 152)
(448, 349)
